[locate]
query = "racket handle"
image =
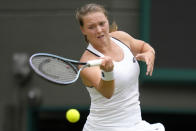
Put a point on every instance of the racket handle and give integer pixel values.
(94, 62)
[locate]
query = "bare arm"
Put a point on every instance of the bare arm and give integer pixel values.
(92, 76)
(140, 49)
(147, 54)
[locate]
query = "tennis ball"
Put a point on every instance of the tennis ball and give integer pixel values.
(73, 115)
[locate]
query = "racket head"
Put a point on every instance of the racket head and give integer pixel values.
(55, 68)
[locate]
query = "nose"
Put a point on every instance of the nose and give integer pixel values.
(99, 29)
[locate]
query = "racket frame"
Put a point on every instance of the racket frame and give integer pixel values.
(71, 62)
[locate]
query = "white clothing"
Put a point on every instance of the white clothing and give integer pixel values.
(122, 111)
(142, 126)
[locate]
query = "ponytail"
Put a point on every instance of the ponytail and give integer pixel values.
(113, 27)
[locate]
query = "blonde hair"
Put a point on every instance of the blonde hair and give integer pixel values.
(92, 7)
(113, 27)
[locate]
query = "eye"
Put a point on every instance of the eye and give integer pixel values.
(102, 23)
(91, 27)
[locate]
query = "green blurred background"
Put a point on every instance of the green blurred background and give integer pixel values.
(28, 103)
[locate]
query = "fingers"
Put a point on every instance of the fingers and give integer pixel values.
(107, 64)
(149, 70)
(149, 62)
(150, 66)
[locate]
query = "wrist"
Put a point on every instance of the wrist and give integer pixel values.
(153, 52)
(107, 76)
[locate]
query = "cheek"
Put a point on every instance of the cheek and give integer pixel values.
(90, 33)
(106, 27)
(85, 31)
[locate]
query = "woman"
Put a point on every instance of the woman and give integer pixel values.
(113, 87)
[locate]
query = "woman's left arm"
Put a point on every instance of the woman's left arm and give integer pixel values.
(140, 49)
(144, 52)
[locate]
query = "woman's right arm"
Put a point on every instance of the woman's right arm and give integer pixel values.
(91, 76)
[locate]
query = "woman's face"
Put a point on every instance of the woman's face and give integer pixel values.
(95, 27)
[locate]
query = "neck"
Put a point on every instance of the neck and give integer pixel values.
(104, 46)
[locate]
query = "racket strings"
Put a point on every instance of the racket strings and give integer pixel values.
(55, 69)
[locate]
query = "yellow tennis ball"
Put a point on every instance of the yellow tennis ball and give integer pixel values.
(73, 115)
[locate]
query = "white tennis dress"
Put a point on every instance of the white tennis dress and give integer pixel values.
(122, 111)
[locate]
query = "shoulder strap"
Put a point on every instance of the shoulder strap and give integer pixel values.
(91, 49)
(121, 42)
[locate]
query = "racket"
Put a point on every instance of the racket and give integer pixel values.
(58, 69)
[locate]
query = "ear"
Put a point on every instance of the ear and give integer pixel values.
(82, 30)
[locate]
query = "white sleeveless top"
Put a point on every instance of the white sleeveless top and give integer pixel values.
(122, 110)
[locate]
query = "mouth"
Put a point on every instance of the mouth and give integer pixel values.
(100, 36)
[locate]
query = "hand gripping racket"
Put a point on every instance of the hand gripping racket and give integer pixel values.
(58, 69)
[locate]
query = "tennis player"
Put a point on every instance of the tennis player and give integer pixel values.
(113, 87)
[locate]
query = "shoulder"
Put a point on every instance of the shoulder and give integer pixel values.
(86, 56)
(124, 37)
(135, 45)
(121, 35)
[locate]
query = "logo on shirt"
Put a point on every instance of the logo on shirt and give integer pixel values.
(134, 60)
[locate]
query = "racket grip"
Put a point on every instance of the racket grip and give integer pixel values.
(94, 62)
